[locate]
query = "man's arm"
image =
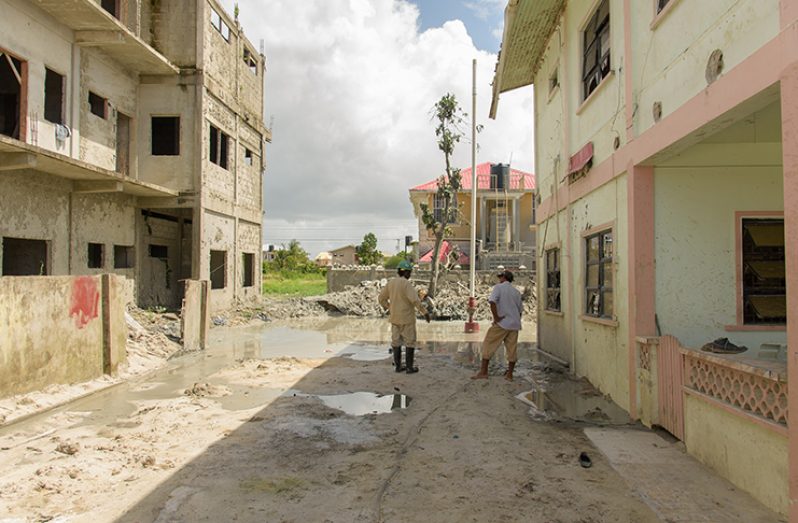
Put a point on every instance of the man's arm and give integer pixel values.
(496, 317)
(383, 298)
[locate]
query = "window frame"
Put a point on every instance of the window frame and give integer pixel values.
(598, 26)
(437, 210)
(220, 25)
(557, 251)
(740, 324)
(250, 61)
(604, 264)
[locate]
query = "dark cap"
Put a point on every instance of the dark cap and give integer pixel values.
(507, 275)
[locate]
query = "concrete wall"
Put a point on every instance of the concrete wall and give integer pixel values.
(752, 457)
(339, 279)
(54, 330)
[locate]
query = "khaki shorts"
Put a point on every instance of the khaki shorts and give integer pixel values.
(403, 335)
(494, 337)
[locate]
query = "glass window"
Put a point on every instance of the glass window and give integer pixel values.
(598, 275)
(763, 278)
(596, 51)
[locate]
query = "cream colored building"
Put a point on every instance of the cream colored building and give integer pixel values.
(667, 165)
(505, 219)
(346, 255)
(132, 142)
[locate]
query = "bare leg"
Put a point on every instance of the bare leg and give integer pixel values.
(483, 371)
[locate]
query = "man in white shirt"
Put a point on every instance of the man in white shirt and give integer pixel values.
(506, 307)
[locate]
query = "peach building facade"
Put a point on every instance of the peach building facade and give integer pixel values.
(667, 166)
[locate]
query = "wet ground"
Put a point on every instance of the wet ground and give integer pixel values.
(306, 421)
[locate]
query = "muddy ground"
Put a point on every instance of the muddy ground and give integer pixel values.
(253, 430)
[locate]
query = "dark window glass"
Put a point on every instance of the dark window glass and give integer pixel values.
(764, 279)
(553, 280)
(596, 51)
(598, 275)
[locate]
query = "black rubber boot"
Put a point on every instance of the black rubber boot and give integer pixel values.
(397, 359)
(410, 357)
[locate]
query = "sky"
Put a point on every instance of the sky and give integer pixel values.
(350, 85)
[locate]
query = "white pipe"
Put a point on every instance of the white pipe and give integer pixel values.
(473, 251)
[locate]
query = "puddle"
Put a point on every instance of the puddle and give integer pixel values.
(361, 403)
(364, 352)
(575, 400)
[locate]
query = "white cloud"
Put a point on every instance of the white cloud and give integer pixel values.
(350, 85)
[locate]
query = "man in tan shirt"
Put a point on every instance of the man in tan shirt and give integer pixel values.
(401, 299)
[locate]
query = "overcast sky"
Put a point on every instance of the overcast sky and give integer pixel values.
(350, 85)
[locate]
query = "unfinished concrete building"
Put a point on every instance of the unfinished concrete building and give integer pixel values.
(132, 142)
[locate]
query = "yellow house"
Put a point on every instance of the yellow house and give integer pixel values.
(505, 218)
(667, 160)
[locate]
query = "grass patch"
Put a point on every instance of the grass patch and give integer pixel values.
(294, 284)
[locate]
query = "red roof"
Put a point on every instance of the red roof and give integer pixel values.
(446, 248)
(483, 180)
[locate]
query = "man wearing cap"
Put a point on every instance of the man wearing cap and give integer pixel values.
(399, 296)
(506, 307)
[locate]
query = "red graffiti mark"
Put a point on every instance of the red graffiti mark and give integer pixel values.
(85, 300)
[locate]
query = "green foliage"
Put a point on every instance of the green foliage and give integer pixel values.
(450, 119)
(393, 261)
(367, 253)
(291, 259)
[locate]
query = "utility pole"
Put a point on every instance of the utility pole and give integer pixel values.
(471, 325)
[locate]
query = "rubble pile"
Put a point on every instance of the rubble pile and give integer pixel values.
(152, 335)
(450, 302)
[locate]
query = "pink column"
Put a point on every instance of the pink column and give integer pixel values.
(640, 196)
(789, 136)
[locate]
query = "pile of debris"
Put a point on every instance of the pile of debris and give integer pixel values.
(151, 338)
(450, 301)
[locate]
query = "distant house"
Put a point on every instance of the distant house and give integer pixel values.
(346, 255)
(505, 218)
(323, 259)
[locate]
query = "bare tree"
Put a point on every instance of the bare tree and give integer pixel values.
(450, 117)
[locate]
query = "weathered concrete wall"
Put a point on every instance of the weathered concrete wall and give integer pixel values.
(220, 57)
(159, 275)
(339, 279)
(23, 200)
(195, 316)
(107, 219)
(249, 242)
(105, 78)
(54, 330)
(219, 235)
(170, 98)
(169, 26)
(249, 181)
(750, 456)
(219, 181)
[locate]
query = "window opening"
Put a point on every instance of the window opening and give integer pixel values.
(764, 280)
(95, 257)
(661, 5)
(53, 97)
(98, 105)
(219, 144)
(438, 205)
(249, 59)
(10, 95)
(247, 157)
(218, 269)
(159, 251)
(553, 280)
(165, 135)
(111, 6)
(220, 25)
(124, 257)
(23, 257)
(248, 263)
(596, 51)
(598, 275)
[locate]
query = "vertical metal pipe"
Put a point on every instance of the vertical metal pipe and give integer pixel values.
(473, 250)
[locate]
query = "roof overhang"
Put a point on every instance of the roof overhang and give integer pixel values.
(528, 24)
(95, 27)
(87, 178)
